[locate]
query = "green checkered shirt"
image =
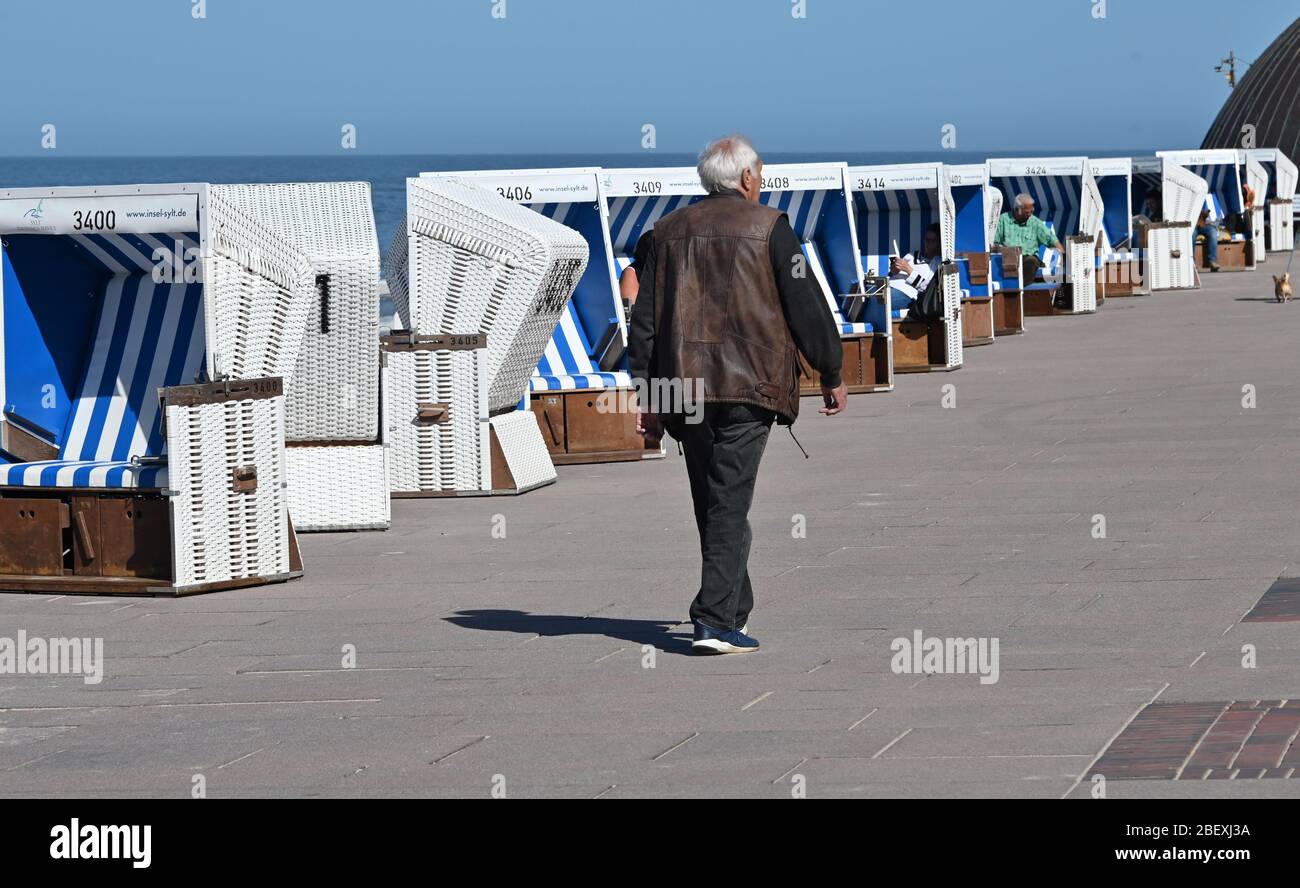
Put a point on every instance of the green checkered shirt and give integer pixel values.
(1029, 236)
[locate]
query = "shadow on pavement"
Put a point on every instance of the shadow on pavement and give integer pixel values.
(653, 632)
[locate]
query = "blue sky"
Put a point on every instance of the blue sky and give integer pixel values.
(144, 77)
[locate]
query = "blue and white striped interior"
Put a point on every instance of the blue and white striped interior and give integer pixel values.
(819, 219)
(1116, 223)
(892, 216)
(815, 264)
(805, 209)
(568, 362)
(145, 336)
(970, 230)
(631, 217)
(1224, 196)
(127, 253)
(1057, 199)
(1270, 170)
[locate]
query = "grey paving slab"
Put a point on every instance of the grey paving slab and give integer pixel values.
(526, 657)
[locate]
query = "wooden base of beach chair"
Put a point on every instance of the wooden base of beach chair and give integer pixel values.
(865, 369)
(920, 346)
(1042, 303)
(1232, 256)
(1008, 313)
(591, 427)
(98, 542)
(977, 322)
(1119, 279)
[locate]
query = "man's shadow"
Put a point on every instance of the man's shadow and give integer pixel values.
(658, 633)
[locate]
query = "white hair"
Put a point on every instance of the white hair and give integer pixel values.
(724, 160)
(1022, 199)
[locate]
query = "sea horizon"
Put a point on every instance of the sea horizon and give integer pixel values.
(387, 173)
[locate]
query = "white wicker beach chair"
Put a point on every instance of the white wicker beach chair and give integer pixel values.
(893, 206)
(1066, 197)
(814, 196)
(1222, 174)
(147, 333)
(337, 461)
(1167, 245)
(979, 272)
(580, 390)
(1279, 198)
(480, 282)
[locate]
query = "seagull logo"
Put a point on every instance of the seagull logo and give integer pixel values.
(36, 212)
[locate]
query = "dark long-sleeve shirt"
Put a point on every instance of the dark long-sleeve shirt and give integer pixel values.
(807, 315)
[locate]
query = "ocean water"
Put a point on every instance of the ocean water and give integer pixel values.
(387, 173)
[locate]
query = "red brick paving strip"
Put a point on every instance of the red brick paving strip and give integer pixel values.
(1281, 603)
(1235, 740)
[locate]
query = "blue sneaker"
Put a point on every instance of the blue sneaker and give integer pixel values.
(722, 641)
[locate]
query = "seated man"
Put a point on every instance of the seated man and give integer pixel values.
(1021, 228)
(1153, 205)
(1210, 231)
(908, 276)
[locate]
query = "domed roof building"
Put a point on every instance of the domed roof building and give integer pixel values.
(1268, 98)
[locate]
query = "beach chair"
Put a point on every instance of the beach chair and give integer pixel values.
(1165, 247)
(1252, 172)
(813, 196)
(1119, 259)
(1279, 197)
(478, 283)
(580, 391)
(148, 335)
(892, 206)
(332, 403)
(983, 307)
(1066, 198)
(1219, 169)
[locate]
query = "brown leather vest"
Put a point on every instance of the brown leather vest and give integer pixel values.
(718, 312)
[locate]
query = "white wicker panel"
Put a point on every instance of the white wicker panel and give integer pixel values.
(1280, 232)
(219, 533)
(523, 447)
(952, 318)
(334, 391)
(1083, 279)
(993, 201)
(338, 488)
(257, 291)
(1164, 271)
(1091, 209)
(446, 456)
(479, 262)
(1284, 170)
(1182, 193)
(395, 273)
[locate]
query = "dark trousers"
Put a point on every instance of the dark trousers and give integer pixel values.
(722, 455)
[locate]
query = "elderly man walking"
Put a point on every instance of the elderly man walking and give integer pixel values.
(725, 307)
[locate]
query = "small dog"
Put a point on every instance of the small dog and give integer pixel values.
(1282, 287)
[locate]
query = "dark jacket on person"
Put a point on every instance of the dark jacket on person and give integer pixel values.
(726, 298)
